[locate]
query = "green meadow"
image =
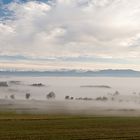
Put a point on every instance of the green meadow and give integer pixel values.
(67, 127)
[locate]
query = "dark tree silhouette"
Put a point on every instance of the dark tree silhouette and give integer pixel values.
(12, 96)
(71, 98)
(51, 95)
(27, 96)
(67, 97)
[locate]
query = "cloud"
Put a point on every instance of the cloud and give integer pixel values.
(107, 30)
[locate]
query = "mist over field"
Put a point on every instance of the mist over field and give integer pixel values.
(73, 95)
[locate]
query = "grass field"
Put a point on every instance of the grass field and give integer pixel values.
(63, 127)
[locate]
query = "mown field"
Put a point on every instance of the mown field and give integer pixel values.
(64, 127)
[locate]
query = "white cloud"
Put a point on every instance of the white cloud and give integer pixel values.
(73, 28)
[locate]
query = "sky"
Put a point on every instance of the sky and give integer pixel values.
(69, 34)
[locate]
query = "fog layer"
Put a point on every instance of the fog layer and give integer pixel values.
(73, 95)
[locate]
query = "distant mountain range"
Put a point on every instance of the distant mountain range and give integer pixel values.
(89, 73)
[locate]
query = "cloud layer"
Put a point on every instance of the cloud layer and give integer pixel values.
(87, 34)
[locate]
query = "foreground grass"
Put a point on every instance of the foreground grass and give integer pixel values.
(54, 127)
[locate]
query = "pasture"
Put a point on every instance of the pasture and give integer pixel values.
(67, 127)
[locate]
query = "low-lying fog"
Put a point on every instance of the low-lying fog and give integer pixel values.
(83, 95)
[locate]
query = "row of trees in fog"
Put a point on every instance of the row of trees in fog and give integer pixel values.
(50, 95)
